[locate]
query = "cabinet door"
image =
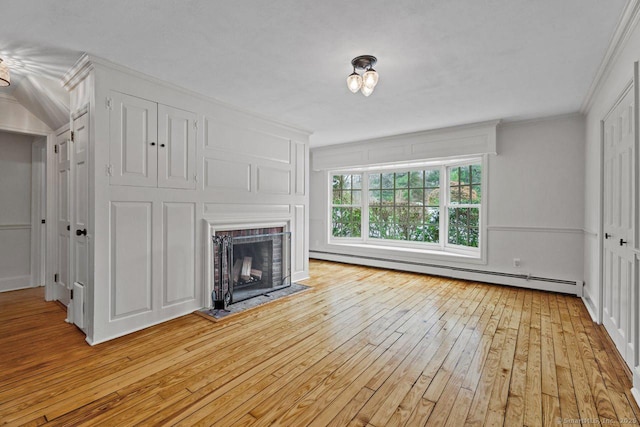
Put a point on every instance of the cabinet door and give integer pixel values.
(177, 148)
(133, 141)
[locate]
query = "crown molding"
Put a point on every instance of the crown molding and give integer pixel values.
(626, 24)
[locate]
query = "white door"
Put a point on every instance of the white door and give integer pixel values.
(80, 200)
(63, 220)
(618, 258)
(176, 148)
(133, 141)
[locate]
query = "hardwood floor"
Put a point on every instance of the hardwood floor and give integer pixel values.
(364, 347)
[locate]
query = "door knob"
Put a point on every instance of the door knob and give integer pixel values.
(82, 232)
(623, 242)
(152, 143)
(607, 235)
(161, 145)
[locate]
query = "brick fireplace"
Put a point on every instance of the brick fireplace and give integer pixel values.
(249, 262)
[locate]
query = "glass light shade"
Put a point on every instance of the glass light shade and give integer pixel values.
(370, 78)
(366, 90)
(4, 75)
(354, 82)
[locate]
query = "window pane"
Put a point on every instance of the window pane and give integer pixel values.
(387, 197)
(337, 197)
(402, 180)
(463, 226)
(465, 194)
(416, 196)
(416, 179)
(432, 198)
(374, 197)
(356, 181)
(454, 194)
(346, 198)
(432, 216)
(387, 180)
(374, 215)
(476, 174)
(454, 176)
(356, 197)
(346, 222)
(476, 194)
(337, 182)
(402, 197)
(374, 180)
(432, 178)
(374, 230)
(465, 175)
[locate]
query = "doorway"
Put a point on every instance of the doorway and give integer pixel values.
(22, 211)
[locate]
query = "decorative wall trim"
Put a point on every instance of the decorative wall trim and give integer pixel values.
(459, 141)
(535, 229)
(4, 227)
(627, 23)
(590, 233)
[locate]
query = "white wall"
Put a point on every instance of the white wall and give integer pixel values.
(534, 209)
(15, 210)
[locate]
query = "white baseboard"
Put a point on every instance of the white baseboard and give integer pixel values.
(636, 395)
(447, 272)
(15, 283)
(588, 302)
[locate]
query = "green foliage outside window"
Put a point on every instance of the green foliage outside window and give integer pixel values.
(346, 213)
(464, 189)
(405, 205)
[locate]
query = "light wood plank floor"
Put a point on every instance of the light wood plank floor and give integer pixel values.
(363, 347)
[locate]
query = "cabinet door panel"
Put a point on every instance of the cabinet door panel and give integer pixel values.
(134, 133)
(179, 256)
(177, 148)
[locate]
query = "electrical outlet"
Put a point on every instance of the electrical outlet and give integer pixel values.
(516, 262)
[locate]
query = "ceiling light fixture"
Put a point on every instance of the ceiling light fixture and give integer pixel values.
(5, 80)
(368, 80)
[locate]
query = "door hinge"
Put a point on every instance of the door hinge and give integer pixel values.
(195, 177)
(73, 136)
(55, 148)
(108, 104)
(44, 221)
(71, 295)
(109, 170)
(195, 124)
(55, 278)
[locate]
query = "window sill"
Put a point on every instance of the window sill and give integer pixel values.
(406, 252)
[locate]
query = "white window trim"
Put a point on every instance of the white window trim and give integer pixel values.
(443, 248)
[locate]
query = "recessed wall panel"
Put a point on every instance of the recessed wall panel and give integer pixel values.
(274, 181)
(179, 252)
(226, 175)
(131, 253)
(246, 141)
(301, 156)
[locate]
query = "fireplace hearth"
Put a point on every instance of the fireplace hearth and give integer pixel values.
(248, 263)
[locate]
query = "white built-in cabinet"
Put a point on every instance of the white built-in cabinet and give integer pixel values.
(152, 145)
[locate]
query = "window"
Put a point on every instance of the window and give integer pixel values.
(437, 206)
(346, 206)
(465, 196)
(405, 205)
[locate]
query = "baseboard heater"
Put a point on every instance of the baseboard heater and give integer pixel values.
(446, 267)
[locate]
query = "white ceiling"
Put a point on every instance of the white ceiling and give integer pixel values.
(441, 62)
